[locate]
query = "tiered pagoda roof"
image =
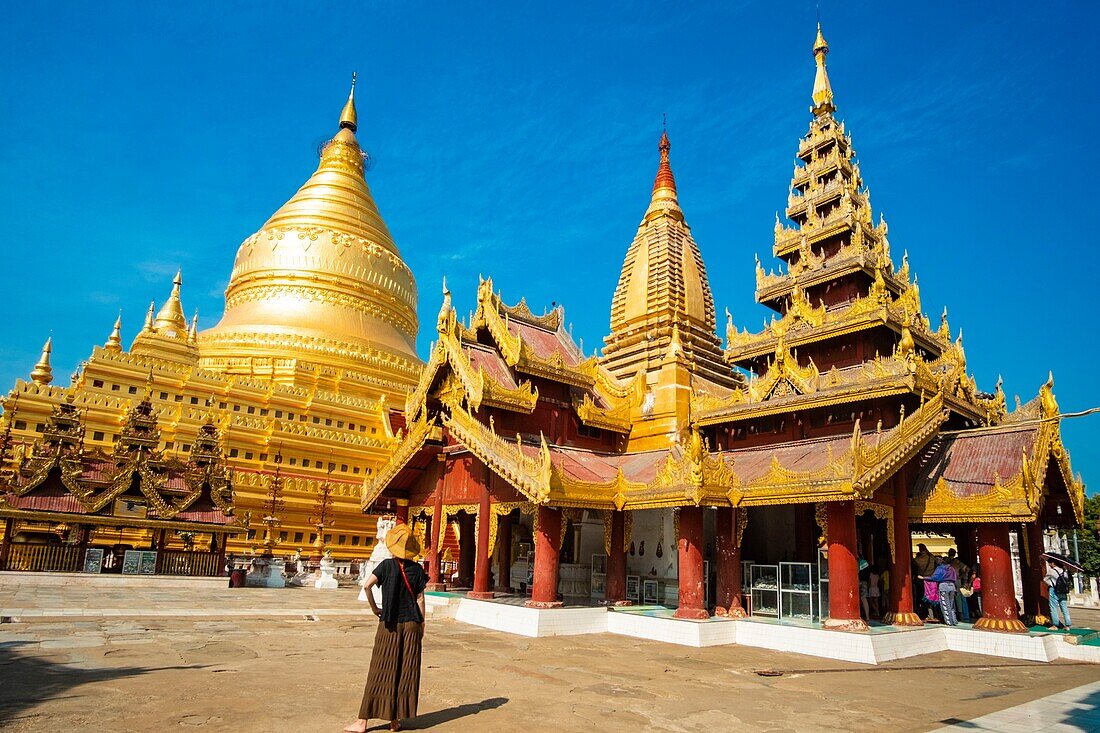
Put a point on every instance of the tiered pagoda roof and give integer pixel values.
(839, 282)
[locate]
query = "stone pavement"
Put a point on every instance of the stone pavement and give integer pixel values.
(1073, 710)
(296, 659)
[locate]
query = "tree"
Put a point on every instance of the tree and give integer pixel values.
(1088, 537)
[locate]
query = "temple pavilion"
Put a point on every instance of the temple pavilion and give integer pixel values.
(62, 483)
(756, 477)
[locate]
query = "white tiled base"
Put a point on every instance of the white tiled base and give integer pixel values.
(672, 630)
(437, 606)
(850, 647)
(1015, 646)
(865, 648)
(532, 621)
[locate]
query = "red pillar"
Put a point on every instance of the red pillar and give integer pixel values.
(435, 557)
(482, 561)
(544, 593)
(901, 570)
(615, 584)
(843, 568)
(727, 596)
(1036, 598)
(402, 511)
(690, 548)
(998, 595)
(504, 564)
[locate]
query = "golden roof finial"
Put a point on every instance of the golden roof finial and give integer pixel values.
(193, 332)
(43, 372)
(823, 90)
(664, 186)
(149, 317)
(170, 319)
(114, 341)
(348, 118)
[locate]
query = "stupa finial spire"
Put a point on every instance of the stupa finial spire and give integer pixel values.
(43, 372)
(348, 118)
(664, 186)
(823, 90)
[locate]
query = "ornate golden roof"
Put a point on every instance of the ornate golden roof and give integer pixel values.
(322, 282)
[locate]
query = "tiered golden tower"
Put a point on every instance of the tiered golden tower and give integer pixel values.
(316, 341)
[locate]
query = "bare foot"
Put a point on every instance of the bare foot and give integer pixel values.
(395, 725)
(359, 726)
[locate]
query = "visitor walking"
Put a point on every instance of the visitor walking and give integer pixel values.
(962, 572)
(393, 683)
(924, 564)
(1058, 584)
(944, 582)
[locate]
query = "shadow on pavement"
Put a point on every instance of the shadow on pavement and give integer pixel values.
(29, 681)
(439, 717)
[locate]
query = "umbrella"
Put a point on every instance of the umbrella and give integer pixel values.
(1065, 561)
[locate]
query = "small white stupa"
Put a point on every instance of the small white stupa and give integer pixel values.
(377, 555)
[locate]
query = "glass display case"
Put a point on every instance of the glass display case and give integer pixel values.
(798, 591)
(765, 590)
(746, 585)
(822, 582)
(634, 588)
(650, 592)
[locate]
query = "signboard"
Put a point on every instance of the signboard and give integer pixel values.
(139, 562)
(93, 560)
(131, 562)
(130, 508)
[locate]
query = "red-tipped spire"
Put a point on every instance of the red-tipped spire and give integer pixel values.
(664, 171)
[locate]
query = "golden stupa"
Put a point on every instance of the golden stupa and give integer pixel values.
(316, 341)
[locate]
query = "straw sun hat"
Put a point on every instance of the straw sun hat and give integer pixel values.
(401, 542)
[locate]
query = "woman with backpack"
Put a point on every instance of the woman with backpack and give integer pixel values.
(1058, 586)
(393, 683)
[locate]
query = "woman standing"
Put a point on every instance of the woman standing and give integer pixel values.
(393, 683)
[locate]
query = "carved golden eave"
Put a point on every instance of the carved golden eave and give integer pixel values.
(493, 315)
(874, 463)
(409, 444)
(615, 419)
(477, 387)
(529, 475)
(870, 311)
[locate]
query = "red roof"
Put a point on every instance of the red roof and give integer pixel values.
(545, 343)
(971, 461)
(487, 358)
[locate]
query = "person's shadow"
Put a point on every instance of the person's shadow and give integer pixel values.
(427, 720)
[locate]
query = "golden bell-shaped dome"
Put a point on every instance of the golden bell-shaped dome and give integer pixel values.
(321, 285)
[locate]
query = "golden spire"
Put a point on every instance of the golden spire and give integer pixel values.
(43, 372)
(149, 318)
(170, 319)
(664, 185)
(114, 341)
(348, 118)
(193, 332)
(823, 90)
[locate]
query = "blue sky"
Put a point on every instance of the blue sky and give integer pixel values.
(520, 141)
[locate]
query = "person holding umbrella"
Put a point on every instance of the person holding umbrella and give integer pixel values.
(1058, 581)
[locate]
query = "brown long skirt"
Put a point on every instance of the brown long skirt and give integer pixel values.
(393, 683)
